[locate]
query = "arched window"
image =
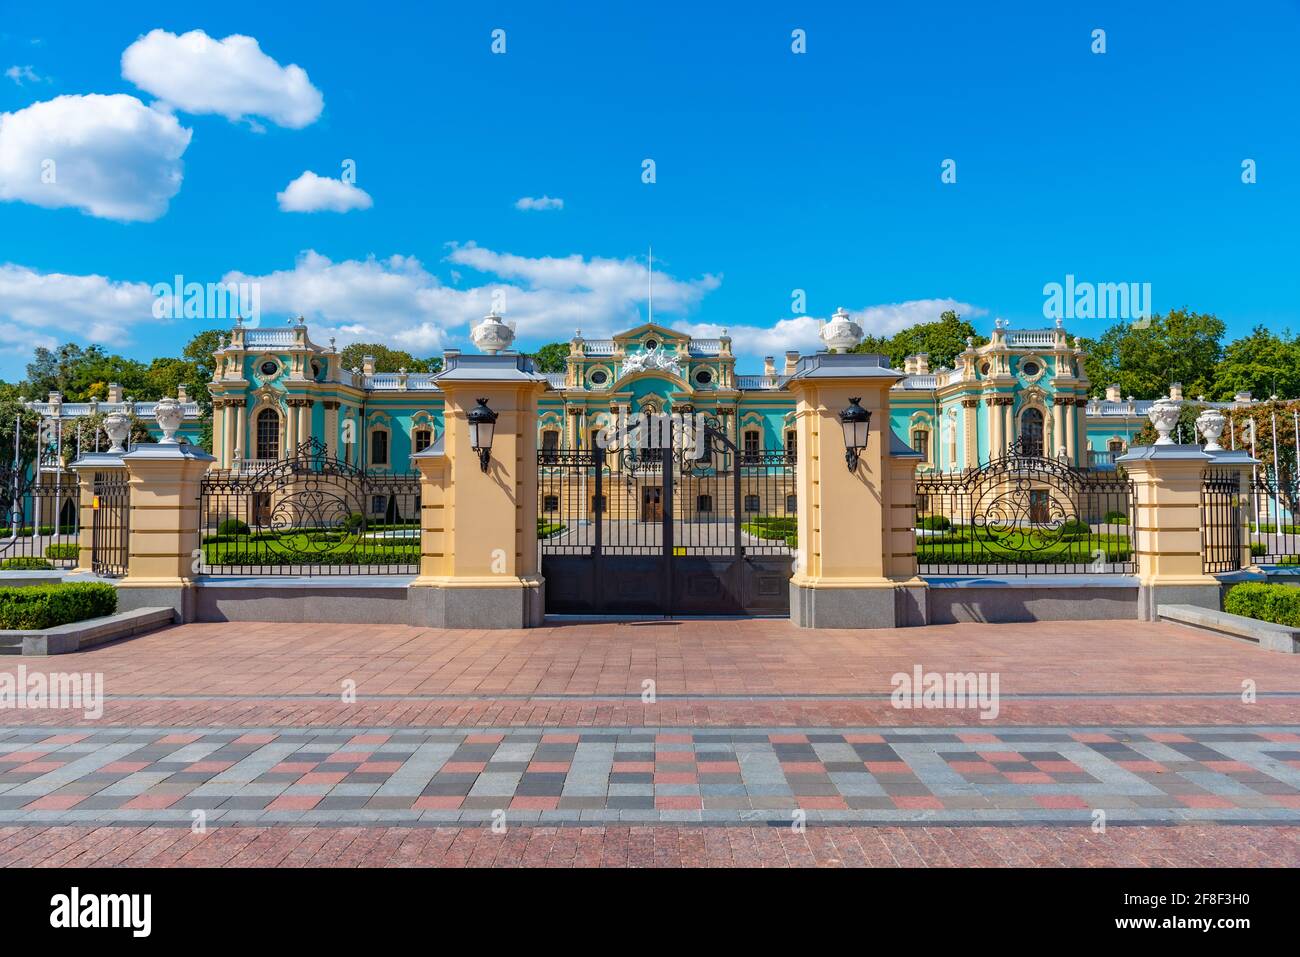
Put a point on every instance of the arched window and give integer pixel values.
(1031, 432)
(268, 434)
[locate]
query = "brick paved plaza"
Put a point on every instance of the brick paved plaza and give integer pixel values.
(755, 726)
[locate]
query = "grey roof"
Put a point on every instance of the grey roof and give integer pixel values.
(899, 449)
(504, 367)
(858, 365)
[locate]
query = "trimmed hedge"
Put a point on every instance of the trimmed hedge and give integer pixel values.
(232, 526)
(26, 565)
(44, 606)
(1276, 603)
(70, 551)
(934, 523)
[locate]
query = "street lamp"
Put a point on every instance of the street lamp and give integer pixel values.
(482, 423)
(857, 426)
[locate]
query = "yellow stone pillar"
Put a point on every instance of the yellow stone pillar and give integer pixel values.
(856, 564)
(479, 565)
(1167, 481)
(164, 527)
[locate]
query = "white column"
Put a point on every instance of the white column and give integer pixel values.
(290, 432)
(996, 446)
(1058, 430)
(1071, 434)
(241, 431)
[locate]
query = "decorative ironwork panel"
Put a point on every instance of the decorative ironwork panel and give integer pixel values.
(1024, 514)
(310, 514)
(1274, 522)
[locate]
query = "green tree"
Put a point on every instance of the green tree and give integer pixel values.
(1180, 346)
(943, 340)
(1262, 363)
(551, 357)
(386, 359)
(14, 413)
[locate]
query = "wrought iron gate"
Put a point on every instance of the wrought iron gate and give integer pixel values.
(110, 524)
(40, 520)
(685, 529)
(1023, 514)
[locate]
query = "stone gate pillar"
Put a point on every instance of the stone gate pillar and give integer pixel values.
(164, 526)
(479, 566)
(856, 565)
(1167, 483)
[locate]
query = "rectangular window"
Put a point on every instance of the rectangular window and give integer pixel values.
(422, 439)
(921, 441)
(750, 449)
(751, 503)
(791, 442)
(379, 447)
(551, 503)
(791, 504)
(378, 504)
(704, 503)
(598, 503)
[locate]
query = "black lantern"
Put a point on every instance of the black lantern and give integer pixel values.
(857, 426)
(482, 423)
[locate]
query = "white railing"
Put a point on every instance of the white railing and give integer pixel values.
(705, 347)
(922, 381)
(598, 347)
(1035, 337)
(758, 382)
(1101, 459)
(556, 379)
(268, 337)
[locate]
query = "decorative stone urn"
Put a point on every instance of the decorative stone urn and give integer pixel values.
(1211, 424)
(117, 425)
(168, 414)
(1164, 416)
(492, 335)
(840, 334)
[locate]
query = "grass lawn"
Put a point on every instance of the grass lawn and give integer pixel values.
(964, 544)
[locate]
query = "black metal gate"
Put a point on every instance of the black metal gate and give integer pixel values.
(694, 527)
(110, 524)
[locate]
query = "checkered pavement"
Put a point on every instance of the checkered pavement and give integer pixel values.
(412, 776)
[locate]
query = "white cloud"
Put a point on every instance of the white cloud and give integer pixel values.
(21, 74)
(398, 300)
(231, 77)
(538, 203)
(109, 156)
(37, 308)
(310, 193)
(800, 332)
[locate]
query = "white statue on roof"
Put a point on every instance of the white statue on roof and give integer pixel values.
(652, 359)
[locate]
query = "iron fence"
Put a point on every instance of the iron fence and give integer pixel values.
(310, 514)
(1274, 524)
(41, 520)
(110, 529)
(1024, 514)
(1221, 522)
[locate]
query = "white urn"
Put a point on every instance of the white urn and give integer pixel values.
(840, 334)
(1211, 424)
(1164, 417)
(168, 414)
(492, 335)
(117, 426)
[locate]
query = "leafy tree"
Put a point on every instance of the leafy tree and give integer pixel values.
(386, 359)
(1262, 363)
(1262, 417)
(943, 339)
(551, 357)
(1180, 346)
(13, 412)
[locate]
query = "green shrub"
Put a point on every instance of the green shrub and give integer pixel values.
(792, 541)
(354, 521)
(1257, 549)
(935, 523)
(232, 526)
(1116, 518)
(68, 551)
(548, 529)
(1275, 603)
(1074, 526)
(44, 606)
(26, 565)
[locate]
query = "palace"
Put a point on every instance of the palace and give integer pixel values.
(275, 388)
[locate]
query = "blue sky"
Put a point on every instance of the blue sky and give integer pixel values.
(774, 171)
